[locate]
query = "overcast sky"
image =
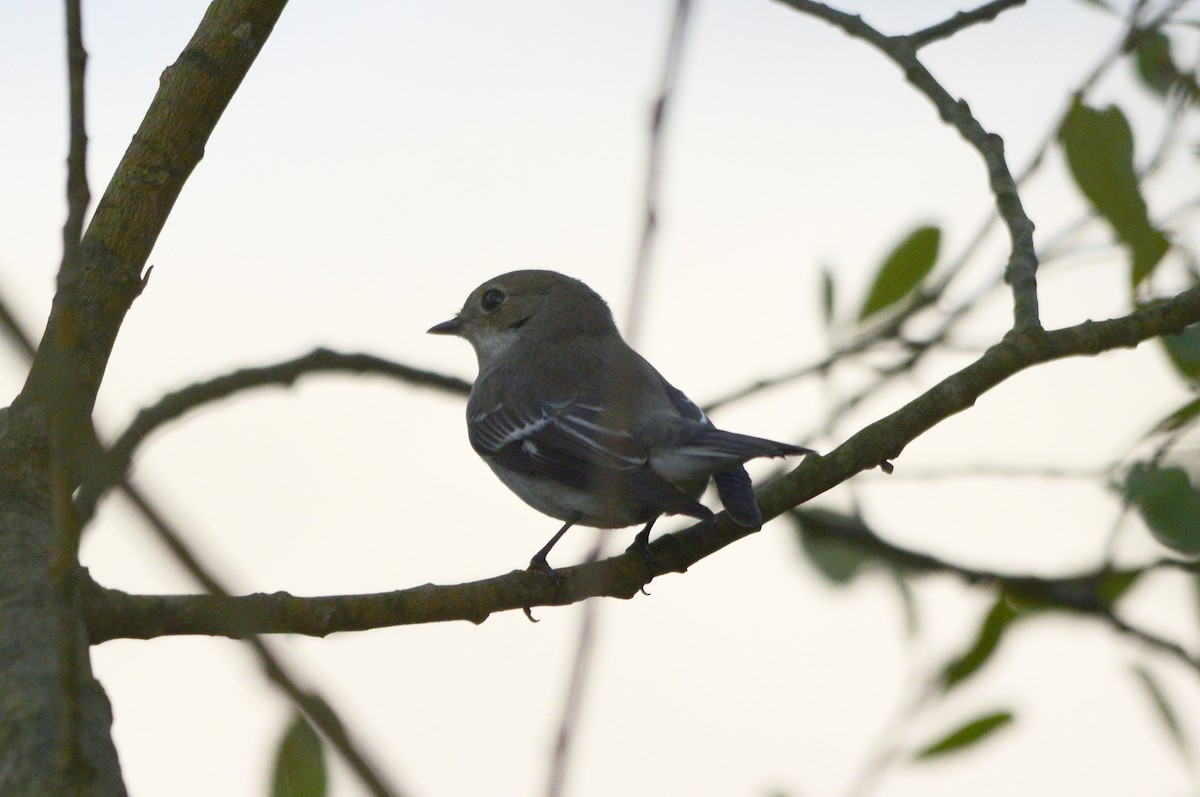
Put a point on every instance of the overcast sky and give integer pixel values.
(380, 161)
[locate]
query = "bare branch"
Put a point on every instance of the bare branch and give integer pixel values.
(658, 115)
(95, 293)
(998, 471)
(962, 20)
(556, 779)
(867, 340)
(1021, 272)
(116, 460)
(78, 194)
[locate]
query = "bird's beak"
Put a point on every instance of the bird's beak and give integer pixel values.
(452, 327)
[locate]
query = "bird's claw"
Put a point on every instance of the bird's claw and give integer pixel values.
(538, 564)
(641, 545)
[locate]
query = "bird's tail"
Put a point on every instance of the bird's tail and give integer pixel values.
(737, 494)
(743, 447)
(733, 485)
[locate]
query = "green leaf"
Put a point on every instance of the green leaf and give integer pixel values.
(1178, 419)
(1164, 710)
(827, 296)
(300, 762)
(912, 622)
(1152, 56)
(903, 270)
(1158, 70)
(997, 621)
(1184, 351)
(1169, 505)
(823, 534)
(1099, 150)
(966, 735)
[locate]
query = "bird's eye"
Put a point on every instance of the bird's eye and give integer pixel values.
(492, 300)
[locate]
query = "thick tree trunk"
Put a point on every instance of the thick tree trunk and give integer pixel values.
(54, 717)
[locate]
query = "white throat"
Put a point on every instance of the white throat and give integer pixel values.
(491, 345)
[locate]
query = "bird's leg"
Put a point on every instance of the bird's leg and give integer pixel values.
(641, 542)
(538, 562)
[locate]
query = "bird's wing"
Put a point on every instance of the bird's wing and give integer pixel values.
(569, 443)
(566, 441)
(684, 405)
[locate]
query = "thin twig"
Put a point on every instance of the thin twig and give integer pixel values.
(866, 340)
(78, 194)
(1021, 272)
(658, 116)
(174, 405)
(589, 621)
(961, 20)
(117, 459)
(1082, 592)
(1151, 640)
(998, 472)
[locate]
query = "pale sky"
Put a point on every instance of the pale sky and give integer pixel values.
(380, 161)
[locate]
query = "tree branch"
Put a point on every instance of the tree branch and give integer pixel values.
(112, 467)
(93, 295)
(931, 294)
(1084, 593)
(589, 616)
(961, 20)
(1021, 272)
(112, 614)
(654, 158)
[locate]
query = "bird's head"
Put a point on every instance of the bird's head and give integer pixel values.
(543, 303)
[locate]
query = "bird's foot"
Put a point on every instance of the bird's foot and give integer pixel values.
(641, 545)
(538, 564)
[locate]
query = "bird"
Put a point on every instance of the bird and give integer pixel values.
(580, 426)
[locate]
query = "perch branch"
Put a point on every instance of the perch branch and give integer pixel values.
(112, 614)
